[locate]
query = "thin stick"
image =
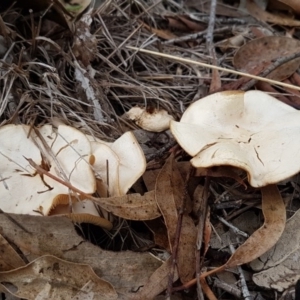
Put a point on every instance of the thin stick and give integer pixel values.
(189, 61)
(104, 223)
(67, 184)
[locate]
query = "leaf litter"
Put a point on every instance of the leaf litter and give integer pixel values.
(72, 65)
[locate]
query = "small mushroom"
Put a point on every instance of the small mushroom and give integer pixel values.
(155, 120)
(249, 130)
(117, 165)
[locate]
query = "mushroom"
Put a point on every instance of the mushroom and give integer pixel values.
(22, 189)
(117, 165)
(251, 131)
(65, 152)
(155, 120)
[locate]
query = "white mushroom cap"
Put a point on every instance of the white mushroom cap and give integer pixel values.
(155, 120)
(22, 189)
(252, 131)
(106, 168)
(126, 163)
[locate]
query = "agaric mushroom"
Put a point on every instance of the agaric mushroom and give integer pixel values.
(22, 189)
(117, 165)
(251, 131)
(248, 130)
(155, 120)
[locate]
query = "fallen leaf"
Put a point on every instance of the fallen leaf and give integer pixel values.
(294, 4)
(207, 232)
(170, 194)
(164, 194)
(160, 233)
(264, 51)
(279, 267)
(256, 12)
(164, 34)
(48, 277)
(150, 176)
(9, 258)
(262, 239)
(221, 8)
(186, 258)
(190, 23)
(158, 282)
(266, 236)
(126, 271)
(132, 206)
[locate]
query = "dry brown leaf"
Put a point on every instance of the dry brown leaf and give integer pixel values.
(263, 51)
(126, 271)
(164, 34)
(170, 193)
(190, 24)
(256, 12)
(215, 83)
(186, 249)
(160, 233)
(150, 176)
(132, 206)
(51, 278)
(157, 283)
(9, 258)
(262, 239)
(266, 236)
(164, 194)
(294, 4)
(221, 8)
(207, 231)
(48, 277)
(282, 259)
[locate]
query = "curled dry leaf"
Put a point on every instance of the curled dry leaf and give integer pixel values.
(279, 267)
(9, 258)
(170, 194)
(294, 4)
(157, 283)
(56, 235)
(262, 239)
(266, 236)
(49, 277)
(132, 206)
(164, 34)
(164, 194)
(256, 12)
(263, 51)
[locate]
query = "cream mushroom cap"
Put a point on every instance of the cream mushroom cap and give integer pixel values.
(22, 189)
(249, 130)
(118, 165)
(155, 120)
